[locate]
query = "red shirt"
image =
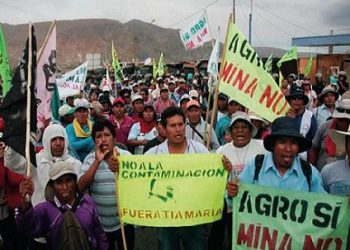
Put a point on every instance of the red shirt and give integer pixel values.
(122, 130)
(10, 181)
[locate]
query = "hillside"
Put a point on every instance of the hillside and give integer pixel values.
(133, 40)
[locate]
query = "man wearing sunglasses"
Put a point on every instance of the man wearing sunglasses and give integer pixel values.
(306, 121)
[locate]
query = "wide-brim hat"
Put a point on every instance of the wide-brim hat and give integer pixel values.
(285, 127)
(338, 137)
(297, 91)
(326, 90)
(242, 116)
(343, 108)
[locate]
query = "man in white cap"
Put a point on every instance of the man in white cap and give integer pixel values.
(328, 99)
(164, 101)
(79, 131)
(195, 126)
(137, 107)
(336, 175)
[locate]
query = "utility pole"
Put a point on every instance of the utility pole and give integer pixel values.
(250, 22)
(234, 11)
(330, 48)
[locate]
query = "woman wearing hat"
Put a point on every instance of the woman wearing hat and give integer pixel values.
(46, 218)
(143, 131)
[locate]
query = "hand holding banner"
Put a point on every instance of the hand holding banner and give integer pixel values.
(159, 191)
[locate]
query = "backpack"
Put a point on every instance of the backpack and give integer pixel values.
(307, 171)
(71, 235)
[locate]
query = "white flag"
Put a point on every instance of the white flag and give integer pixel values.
(196, 34)
(213, 64)
(46, 75)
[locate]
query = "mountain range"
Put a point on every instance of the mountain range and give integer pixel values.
(134, 40)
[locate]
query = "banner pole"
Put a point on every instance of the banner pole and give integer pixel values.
(29, 83)
(46, 40)
(118, 205)
(216, 94)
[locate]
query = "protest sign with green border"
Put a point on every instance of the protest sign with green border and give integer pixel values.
(171, 190)
(268, 218)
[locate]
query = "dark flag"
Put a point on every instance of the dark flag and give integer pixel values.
(13, 109)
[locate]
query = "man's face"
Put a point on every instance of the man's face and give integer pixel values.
(138, 106)
(161, 130)
(148, 114)
(104, 139)
(172, 87)
(65, 188)
(126, 98)
(329, 99)
(164, 94)
(57, 146)
(175, 129)
(193, 114)
(118, 110)
(222, 103)
(233, 107)
(144, 95)
(70, 101)
(81, 115)
(284, 151)
(296, 102)
(241, 133)
(105, 106)
(183, 104)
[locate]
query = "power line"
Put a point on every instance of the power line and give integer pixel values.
(184, 19)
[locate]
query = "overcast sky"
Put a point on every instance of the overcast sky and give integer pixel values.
(275, 22)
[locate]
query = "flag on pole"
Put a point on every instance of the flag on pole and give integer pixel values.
(160, 68)
(292, 54)
(5, 73)
(308, 67)
(46, 76)
(268, 64)
(213, 64)
(280, 78)
(244, 78)
(118, 72)
(13, 109)
(154, 64)
(55, 103)
(196, 34)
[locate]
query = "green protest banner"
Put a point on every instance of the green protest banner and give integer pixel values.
(118, 72)
(308, 66)
(5, 75)
(171, 190)
(160, 67)
(244, 78)
(267, 218)
(290, 55)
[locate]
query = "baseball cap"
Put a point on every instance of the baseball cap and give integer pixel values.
(65, 109)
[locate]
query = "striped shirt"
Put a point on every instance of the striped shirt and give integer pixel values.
(103, 192)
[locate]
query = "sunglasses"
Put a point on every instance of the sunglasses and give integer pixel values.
(298, 97)
(341, 110)
(126, 96)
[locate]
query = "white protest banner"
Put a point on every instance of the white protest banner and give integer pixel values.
(72, 82)
(213, 63)
(196, 34)
(46, 75)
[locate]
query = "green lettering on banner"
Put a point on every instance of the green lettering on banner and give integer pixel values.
(173, 187)
(244, 78)
(267, 218)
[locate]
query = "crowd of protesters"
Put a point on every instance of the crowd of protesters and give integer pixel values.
(77, 155)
